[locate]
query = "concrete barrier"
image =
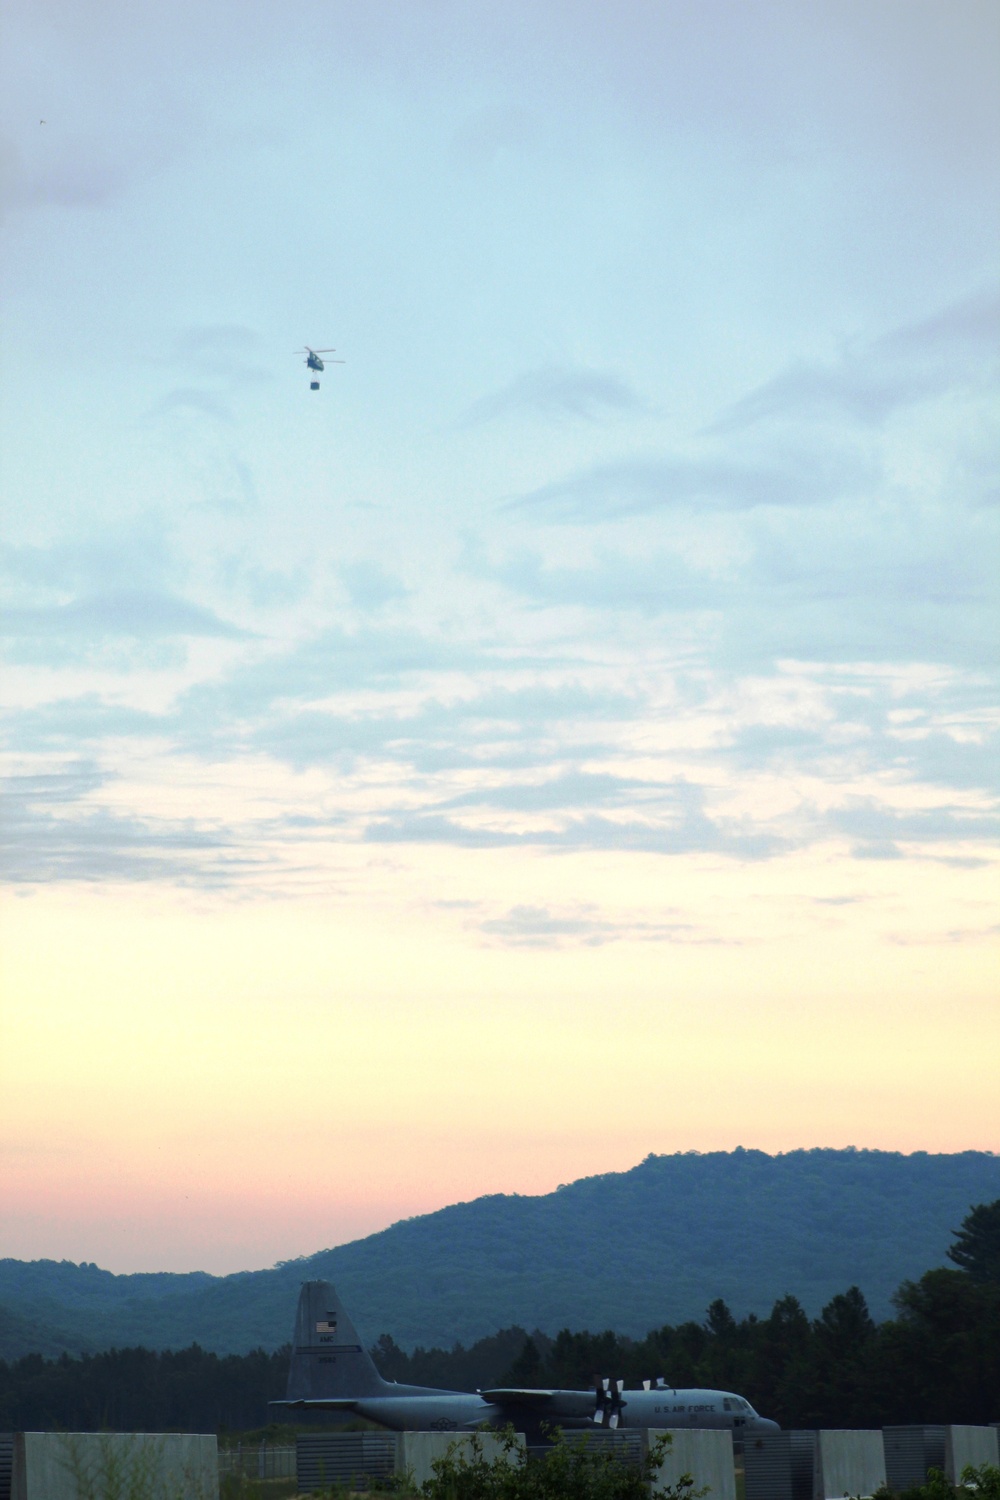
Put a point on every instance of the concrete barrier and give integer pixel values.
(91, 1465)
(704, 1453)
(326, 1458)
(417, 1452)
(848, 1462)
(780, 1465)
(910, 1452)
(965, 1446)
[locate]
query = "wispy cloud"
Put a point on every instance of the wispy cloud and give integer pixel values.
(221, 351)
(192, 398)
(955, 348)
(526, 926)
(57, 830)
(124, 612)
(572, 789)
(877, 824)
(330, 662)
(680, 824)
(370, 587)
(556, 392)
(632, 486)
(125, 557)
(649, 584)
(88, 720)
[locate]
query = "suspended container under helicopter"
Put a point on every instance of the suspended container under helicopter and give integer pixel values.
(315, 363)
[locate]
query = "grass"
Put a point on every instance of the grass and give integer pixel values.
(239, 1487)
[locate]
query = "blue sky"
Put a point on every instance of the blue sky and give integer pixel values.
(645, 544)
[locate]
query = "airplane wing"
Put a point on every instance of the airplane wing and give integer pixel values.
(324, 1403)
(517, 1395)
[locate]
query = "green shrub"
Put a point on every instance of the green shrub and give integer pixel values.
(112, 1469)
(976, 1484)
(572, 1469)
(985, 1481)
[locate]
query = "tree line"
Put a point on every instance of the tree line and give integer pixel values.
(141, 1390)
(937, 1359)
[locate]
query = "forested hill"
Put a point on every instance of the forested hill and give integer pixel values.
(626, 1250)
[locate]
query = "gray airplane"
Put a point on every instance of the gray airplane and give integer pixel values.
(332, 1371)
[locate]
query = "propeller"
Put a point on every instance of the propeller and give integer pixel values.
(608, 1402)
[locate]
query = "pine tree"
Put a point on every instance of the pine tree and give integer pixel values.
(977, 1244)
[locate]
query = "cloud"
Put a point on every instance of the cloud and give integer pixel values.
(121, 601)
(955, 348)
(73, 722)
(572, 789)
(220, 351)
(52, 833)
(80, 175)
(678, 825)
(370, 587)
(456, 707)
(69, 782)
(539, 927)
(334, 661)
(101, 560)
(878, 825)
(649, 584)
(101, 137)
(878, 580)
(124, 612)
(967, 759)
(190, 398)
(521, 779)
(500, 728)
(635, 486)
(877, 849)
(555, 392)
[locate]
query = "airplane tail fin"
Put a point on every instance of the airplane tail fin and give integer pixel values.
(328, 1357)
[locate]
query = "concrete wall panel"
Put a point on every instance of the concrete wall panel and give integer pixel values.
(849, 1463)
(326, 1458)
(968, 1445)
(780, 1465)
(90, 1465)
(416, 1452)
(911, 1451)
(706, 1454)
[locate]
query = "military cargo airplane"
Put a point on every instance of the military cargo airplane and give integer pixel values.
(332, 1371)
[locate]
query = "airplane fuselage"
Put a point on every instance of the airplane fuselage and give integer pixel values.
(417, 1409)
(331, 1371)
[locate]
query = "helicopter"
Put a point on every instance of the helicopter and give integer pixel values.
(314, 362)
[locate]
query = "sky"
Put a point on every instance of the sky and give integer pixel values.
(572, 732)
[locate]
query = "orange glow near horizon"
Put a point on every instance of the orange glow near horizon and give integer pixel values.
(219, 1084)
